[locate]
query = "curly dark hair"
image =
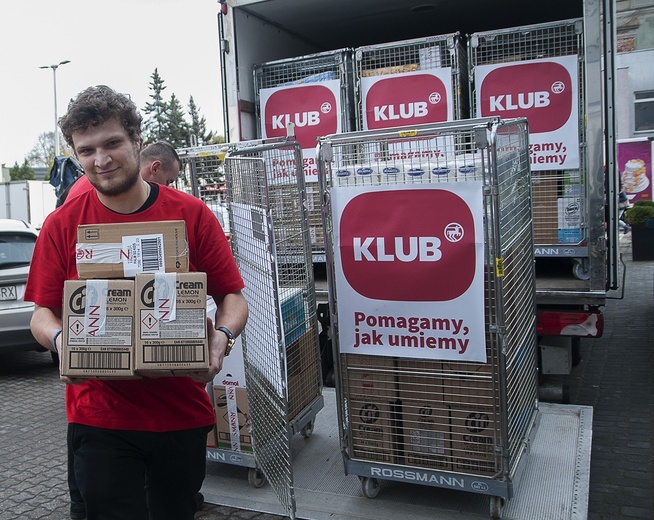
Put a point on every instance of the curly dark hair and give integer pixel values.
(95, 106)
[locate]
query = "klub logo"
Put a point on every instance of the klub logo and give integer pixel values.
(312, 109)
(542, 92)
(408, 245)
(406, 100)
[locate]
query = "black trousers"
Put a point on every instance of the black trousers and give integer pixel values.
(133, 475)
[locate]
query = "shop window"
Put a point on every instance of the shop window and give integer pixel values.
(644, 111)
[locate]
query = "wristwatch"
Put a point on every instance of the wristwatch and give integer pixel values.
(230, 339)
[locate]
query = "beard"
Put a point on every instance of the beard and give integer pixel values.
(119, 186)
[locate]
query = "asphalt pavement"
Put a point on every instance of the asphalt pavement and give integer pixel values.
(615, 377)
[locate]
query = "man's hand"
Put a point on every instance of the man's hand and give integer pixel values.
(217, 347)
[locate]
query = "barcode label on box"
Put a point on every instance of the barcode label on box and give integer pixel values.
(100, 360)
(173, 353)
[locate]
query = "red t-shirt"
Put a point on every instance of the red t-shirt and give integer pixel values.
(148, 404)
(81, 185)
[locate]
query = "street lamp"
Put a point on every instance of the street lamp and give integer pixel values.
(54, 78)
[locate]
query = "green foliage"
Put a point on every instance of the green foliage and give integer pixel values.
(640, 212)
(21, 173)
(198, 126)
(166, 120)
(156, 118)
(177, 129)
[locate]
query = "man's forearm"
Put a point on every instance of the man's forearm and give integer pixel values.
(44, 324)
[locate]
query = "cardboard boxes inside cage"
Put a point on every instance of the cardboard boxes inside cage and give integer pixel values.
(426, 414)
(230, 395)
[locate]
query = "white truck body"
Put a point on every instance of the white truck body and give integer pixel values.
(255, 32)
(30, 201)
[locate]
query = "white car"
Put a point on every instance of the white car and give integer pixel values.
(17, 240)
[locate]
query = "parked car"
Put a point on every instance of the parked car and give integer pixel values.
(17, 240)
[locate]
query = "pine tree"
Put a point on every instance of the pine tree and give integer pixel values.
(177, 128)
(156, 118)
(198, 126)
(20, 173)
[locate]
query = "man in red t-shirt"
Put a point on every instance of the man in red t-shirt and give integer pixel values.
(139, 444)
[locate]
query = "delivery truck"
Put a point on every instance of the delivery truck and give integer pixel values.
(30, 201)
(502, 58)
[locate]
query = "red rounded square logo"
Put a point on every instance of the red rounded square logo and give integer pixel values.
(542, 92)
(406, 100)
(408, 245)
(312, 109)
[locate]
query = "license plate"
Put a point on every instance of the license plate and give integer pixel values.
(8, 292)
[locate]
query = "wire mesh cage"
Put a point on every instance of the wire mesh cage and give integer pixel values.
(412, 59)
(270, 241)
(202, 175)
(314, 94)
(559, 193)
(442, 418)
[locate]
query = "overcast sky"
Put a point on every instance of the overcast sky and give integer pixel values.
(117, 43)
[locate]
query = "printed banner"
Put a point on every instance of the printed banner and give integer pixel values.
(635, 168)
(314, 109)
(409, 270)
(405, 99)
(546, 92)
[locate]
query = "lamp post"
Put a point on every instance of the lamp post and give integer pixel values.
(54, 79)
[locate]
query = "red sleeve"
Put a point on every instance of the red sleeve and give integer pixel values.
(80, 186)
(214, 256)
(49, 269)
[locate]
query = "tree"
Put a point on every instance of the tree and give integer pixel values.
(198, 126)
(156, 121)
(21, 173)
(44, 150)
(177, 127)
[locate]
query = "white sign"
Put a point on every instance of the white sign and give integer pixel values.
(409, 270)
(313, 110)
(546, 92)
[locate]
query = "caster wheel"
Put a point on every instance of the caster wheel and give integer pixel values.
(370, 487)
(307, 430)
(580, 271)
(256, 478)
(496, 507)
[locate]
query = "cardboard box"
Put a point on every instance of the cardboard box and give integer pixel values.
(303, 372)
(373, 427)
(171, 328)
(123, 250)
(370, 377)
(211, 438)
(469, 388)
(425, 417)
(98, 329)
(233, 370)
(232, 419)
(293, 314)
(544, 189)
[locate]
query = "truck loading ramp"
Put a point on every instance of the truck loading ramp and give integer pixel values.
(554, 484)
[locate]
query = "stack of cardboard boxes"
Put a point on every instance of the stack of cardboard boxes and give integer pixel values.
(135, 307)
(557, 207)
(420, 413)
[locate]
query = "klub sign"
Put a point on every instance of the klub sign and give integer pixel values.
(544, 91)
(409, 270)
(313, 109)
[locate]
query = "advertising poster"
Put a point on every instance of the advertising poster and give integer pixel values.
(635, 168)
(314, 110)
(546, 92)
(405, 99)
(409, 270)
